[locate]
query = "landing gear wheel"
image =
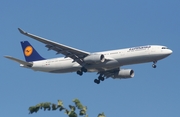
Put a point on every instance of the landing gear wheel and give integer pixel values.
(101, 78)
(84, 69)
(80, 73)
(96, 81)
(154, 66)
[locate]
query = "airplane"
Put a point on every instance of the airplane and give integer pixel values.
(107, 63)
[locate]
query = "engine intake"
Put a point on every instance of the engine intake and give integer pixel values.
(94, 58)
(124, 74)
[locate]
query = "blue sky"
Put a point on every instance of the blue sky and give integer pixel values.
(91, 26)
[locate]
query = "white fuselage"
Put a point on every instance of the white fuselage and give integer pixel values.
(114, 59)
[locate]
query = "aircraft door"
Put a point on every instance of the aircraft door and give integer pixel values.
(152, 50)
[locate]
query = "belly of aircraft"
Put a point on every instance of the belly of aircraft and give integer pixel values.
(69, 66)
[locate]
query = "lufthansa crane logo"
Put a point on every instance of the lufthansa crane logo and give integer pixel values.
(28, 51)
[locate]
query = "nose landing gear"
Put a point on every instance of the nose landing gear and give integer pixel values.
(154, 64)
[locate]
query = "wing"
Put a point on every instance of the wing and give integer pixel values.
(19, 61)
(76, 54)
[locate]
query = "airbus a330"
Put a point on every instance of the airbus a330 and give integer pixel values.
(107, 63)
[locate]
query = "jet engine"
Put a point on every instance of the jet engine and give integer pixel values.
(124, 74)
(94, 58)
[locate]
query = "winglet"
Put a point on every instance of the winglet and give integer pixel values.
(21, 31)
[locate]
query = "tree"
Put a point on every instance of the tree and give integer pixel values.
(71, 112)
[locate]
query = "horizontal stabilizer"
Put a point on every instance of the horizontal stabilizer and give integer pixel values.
(19, 61)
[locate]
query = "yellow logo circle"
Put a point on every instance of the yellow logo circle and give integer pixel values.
(28, 51)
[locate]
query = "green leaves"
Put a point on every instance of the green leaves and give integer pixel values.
(83, 111)
(33, 109)
(46, 105)
(36, 108)
(73, 108)
(71, 112)
(101, 115)
(60, 103)
(54, 107)
(82, 108)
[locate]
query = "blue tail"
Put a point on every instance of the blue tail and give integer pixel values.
(29, 52)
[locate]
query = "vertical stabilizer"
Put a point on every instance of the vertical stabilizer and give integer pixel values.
(29, 52)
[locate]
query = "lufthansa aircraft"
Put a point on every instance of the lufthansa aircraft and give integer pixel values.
(107, 63)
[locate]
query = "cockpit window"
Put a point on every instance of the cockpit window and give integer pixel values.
(164, 48)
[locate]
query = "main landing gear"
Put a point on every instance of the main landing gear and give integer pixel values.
(80, 72)
(100, 78)
(97, 81)
(154, 64)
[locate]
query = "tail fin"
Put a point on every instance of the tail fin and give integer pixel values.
(29, 52)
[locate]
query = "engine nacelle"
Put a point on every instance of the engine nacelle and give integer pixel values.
(124, 74)
(94, 58)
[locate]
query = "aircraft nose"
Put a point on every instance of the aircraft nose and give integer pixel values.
(169, 52)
